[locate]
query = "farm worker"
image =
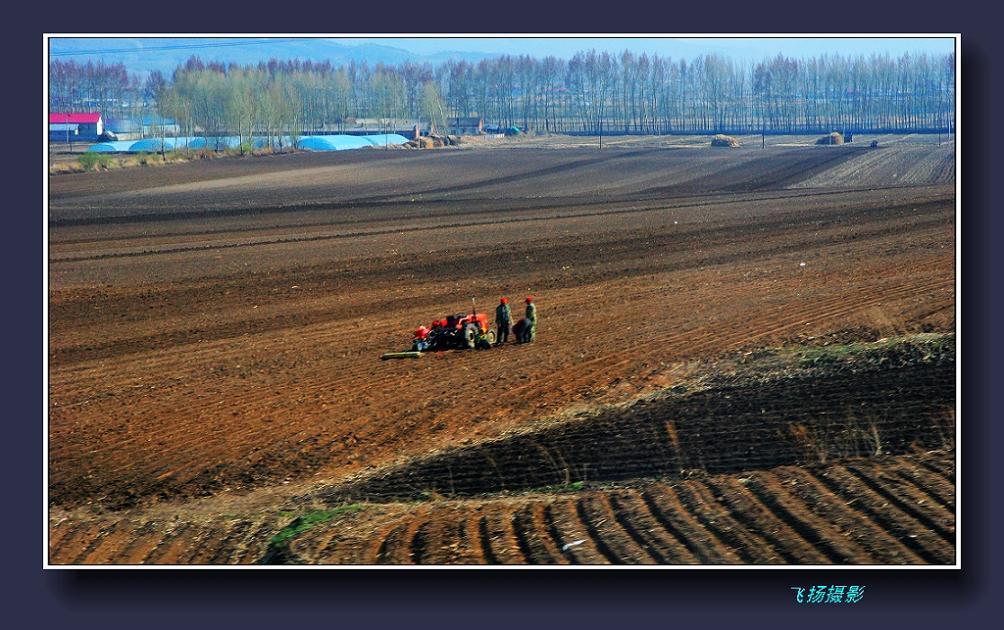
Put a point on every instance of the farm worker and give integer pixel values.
(503, 319)
(518, 329)
(530, 331)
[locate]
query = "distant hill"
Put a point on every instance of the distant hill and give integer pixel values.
(143, 55)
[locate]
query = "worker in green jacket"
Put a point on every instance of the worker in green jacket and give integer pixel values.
(530, 331)
(503, 321)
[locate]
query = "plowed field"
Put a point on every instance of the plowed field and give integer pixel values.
(215, 331)
(883, 510)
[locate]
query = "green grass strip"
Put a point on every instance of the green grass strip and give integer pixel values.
(312, 519)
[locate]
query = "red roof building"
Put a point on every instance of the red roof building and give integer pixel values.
(90, 118)
(75, 126)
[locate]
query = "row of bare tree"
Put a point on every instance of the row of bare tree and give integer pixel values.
(593, 92)
(104, 87)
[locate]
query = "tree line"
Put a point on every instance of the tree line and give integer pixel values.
(592, 92)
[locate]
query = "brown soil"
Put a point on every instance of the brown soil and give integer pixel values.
(839, 514)
(215, 328)
(885, 400)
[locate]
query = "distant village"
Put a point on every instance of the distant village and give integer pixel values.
(67, 129)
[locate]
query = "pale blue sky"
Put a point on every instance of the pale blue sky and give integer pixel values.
(145, 54)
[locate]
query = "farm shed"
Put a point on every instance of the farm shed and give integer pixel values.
(471, 126)
(82, 127)
(135, 129)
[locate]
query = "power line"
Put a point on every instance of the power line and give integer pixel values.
(101, 51)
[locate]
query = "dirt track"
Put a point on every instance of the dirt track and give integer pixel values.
(221, 331)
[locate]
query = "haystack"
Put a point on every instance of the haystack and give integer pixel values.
(722, 140)
(834, 137)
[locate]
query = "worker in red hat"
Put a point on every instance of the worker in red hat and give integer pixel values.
(503, 321)
(529, 331)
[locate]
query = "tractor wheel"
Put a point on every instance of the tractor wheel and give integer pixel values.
(471, 332)
(491, 336)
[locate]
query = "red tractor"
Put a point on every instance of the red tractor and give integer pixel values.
(455, 331)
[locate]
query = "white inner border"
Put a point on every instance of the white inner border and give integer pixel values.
(958, 291)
